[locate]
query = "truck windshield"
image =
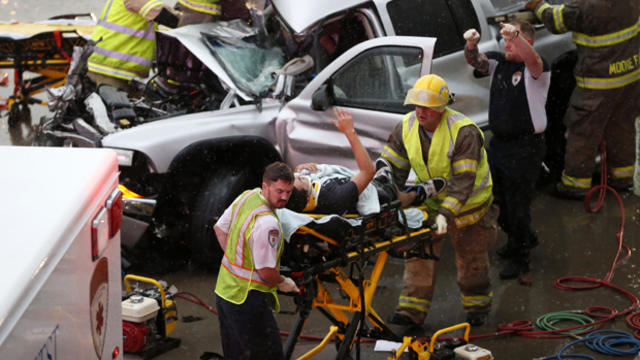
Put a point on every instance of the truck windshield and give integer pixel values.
(245, 55)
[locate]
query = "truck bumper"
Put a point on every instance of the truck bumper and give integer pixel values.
(136, 217)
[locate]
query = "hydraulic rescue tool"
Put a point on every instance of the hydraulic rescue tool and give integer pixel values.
(149, 315)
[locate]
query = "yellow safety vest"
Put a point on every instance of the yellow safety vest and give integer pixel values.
(211, 7)
(237, 273)
(439, 165)
(126, 41)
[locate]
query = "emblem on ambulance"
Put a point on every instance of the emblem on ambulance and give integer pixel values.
(515, 78)
(99, 301)
(274, 237)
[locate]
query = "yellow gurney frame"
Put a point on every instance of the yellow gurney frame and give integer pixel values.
(359, 292)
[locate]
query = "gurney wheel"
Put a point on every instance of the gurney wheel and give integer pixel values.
(20, 128)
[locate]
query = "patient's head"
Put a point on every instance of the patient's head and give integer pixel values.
(300, 193)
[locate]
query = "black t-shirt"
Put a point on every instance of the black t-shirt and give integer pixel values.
(337, 195)
(516, 105)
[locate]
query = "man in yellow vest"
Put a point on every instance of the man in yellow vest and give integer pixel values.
(251, 235)
(126, 41)
(436, 141)
(605, 102)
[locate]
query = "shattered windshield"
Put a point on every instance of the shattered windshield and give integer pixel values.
(245, 55)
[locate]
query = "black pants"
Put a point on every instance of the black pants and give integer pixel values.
(515, 166)
(249, 331)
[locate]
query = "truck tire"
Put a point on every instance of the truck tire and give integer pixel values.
(216, 195)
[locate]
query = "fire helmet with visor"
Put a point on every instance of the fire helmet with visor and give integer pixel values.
(429, 91)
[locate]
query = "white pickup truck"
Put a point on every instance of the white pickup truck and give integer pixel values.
(60, 215)
(188, 168)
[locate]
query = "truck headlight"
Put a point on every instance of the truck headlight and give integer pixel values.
(125, 157)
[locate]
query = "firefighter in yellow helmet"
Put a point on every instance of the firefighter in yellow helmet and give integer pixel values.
(436, 141)
(605, 102)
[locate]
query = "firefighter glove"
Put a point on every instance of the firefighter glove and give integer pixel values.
(288, 285)
(441, 224)
(472, 36)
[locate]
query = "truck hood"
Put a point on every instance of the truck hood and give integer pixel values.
(243, 61)
(299, 15)
(161, 140)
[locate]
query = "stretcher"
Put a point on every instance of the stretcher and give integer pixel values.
(319, 253)
(43, 49)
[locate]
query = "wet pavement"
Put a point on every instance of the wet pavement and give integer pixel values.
(572, 242)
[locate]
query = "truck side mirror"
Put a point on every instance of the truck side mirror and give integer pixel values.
(322, 99)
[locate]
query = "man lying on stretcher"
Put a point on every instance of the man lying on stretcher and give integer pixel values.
(334, 189)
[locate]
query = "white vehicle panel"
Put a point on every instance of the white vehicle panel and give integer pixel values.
(299, 15)
(162, 140)
(307, 135)
(49, 198)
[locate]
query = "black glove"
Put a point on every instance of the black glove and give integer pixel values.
(167, 18)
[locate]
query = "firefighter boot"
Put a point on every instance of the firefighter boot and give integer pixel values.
(477, 317)
(569, 192)
(402, 325)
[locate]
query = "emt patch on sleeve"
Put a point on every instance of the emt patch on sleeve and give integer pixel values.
(274, 237)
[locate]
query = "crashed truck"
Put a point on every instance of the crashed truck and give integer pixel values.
(184, 170)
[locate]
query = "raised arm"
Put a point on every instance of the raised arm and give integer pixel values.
(471, 53)
(523, 46)
(344, 123)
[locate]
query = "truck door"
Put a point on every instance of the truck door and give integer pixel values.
(447, 20)
(370, 80)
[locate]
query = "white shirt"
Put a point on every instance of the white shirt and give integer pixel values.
(263, 241)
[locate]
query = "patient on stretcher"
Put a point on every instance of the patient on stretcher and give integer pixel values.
(339, 191)
(334, 189)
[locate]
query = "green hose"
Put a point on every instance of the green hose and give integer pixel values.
(548, 321)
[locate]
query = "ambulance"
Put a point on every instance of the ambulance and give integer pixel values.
(60, 275)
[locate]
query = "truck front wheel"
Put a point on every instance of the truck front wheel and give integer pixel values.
(216, 195)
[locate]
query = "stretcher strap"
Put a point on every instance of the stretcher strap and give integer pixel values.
(58, 38)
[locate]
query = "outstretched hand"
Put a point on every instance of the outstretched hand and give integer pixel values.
(343, 120)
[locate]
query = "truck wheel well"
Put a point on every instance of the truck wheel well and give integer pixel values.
(195, 165)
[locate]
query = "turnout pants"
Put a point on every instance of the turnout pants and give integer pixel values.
(249, 331)
(471, 245)
(594, 115)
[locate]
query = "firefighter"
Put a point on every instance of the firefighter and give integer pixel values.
(251, 235)
(126, 41)
(604, 102)
(436, 141)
